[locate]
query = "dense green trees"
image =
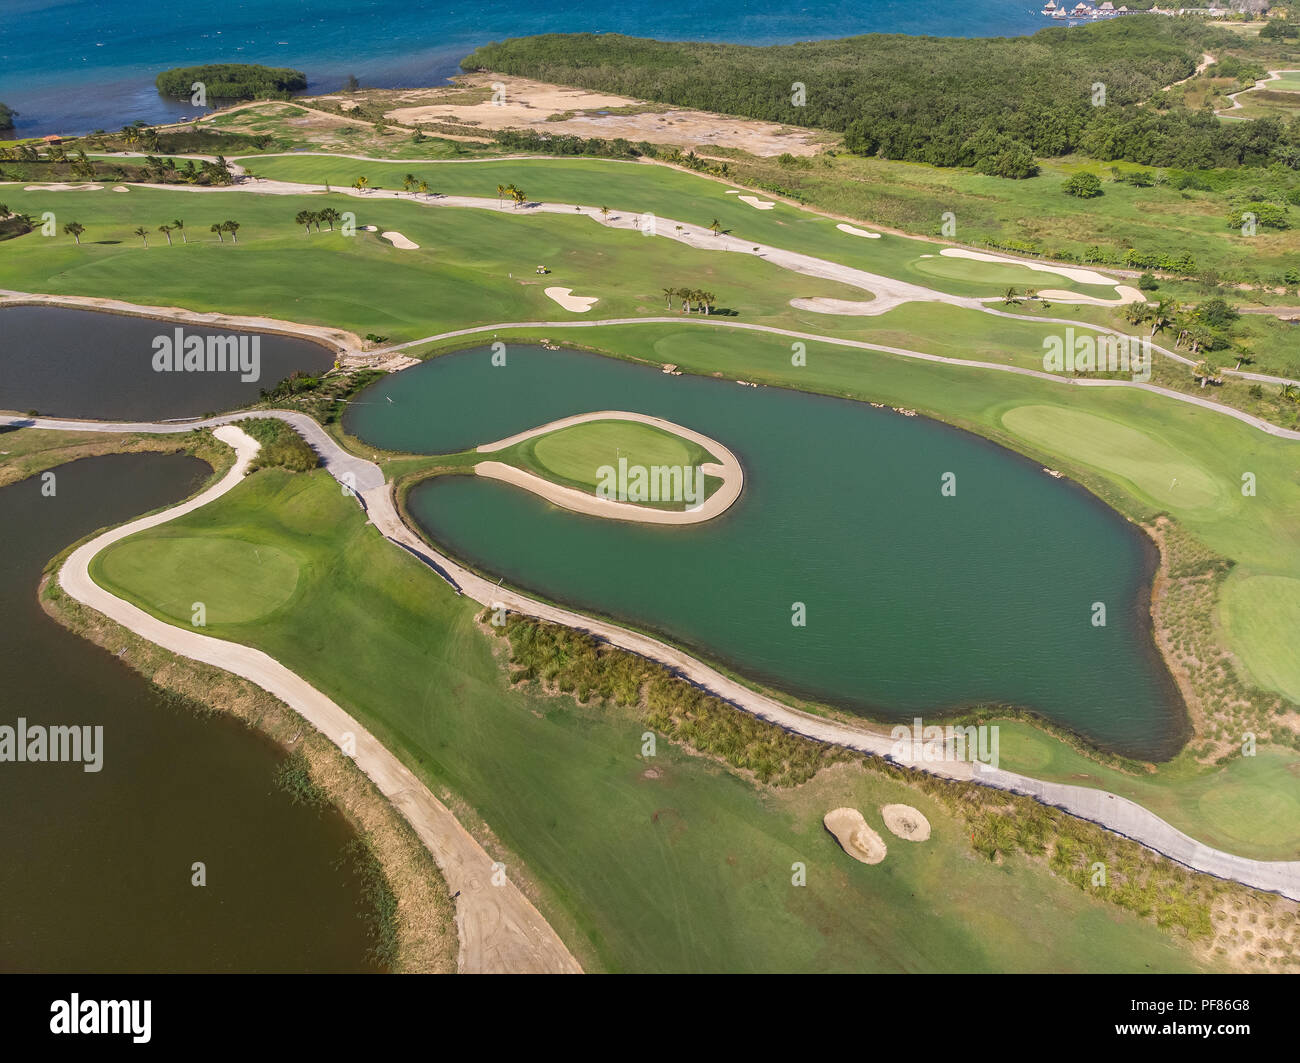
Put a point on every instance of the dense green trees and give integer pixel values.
(1083, 185)
(237, 81)
(993, 104)
(6, 117)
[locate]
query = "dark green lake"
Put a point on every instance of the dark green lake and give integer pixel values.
(95, 874)
(64, 362)
(916, 603)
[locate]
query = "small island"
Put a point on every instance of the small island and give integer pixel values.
(232, 81)
(623, 466)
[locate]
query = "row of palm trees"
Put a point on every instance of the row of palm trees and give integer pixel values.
(1167, 314)
(308, 218)
(691, 299)
(515, 193)
(75, 229)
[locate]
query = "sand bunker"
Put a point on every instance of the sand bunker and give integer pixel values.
(578, 304)
(853, 834)
(62, 188)
(836, 306)
(120, 188)
(1079, 276)
(906, 822)
(1126, 295)
(400, 241)
(756, 203)
(853, 230)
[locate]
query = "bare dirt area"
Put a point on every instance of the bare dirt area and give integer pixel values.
(525, 104)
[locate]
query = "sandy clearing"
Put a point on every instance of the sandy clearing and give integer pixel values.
(906, 822)
(1079, 276)
(398, 240)
(855, 837)
(758, 204)
(578, 304)
(556, 109)
(61, 187)
(846, 307)
(853, 230)
(727, 468)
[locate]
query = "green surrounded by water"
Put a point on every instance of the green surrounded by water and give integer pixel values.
(916, 602)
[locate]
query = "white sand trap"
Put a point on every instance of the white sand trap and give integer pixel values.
(758, 204)
(370, 228)
(120, 188)
(1079, 276)
(853, 834)
(578, 304)
(853, 230)
(1126, 295)
(846, 307)
(906, 822)
(60, 187)
(733, 191)
(398, 240)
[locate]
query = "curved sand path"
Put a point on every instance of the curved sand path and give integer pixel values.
(1115, 813)
(727, 467)
(499, 929)
(1273, 75)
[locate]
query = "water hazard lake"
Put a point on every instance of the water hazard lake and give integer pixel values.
(97, 865)
(915, 602)
(63, 362)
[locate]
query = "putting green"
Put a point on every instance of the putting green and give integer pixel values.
(1154, 468)
(993, 274)
(576, 452)
(1252, 814)
(236, 581)
(1262, 613)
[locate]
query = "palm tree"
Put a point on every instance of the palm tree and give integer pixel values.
(668, 296)
(1011, 298)
(166, 230)
(217, 228)
(360, 183)
(1162, 315)
(129, 135)
(143, 233)
(604, 214)
(75, 229)
(305, 218)
(408, 182)
(179, 225)
(231, 227)
(1138, 313)
(1289, 392)
(709, 301)
(423, 189)
(1206, 372)
(329, 215)
(716, 226)
(501, 194)
(519, 197)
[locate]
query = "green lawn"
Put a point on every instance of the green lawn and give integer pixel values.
(1249, 806)
(687, 871)
(472, 266)
(681, 197)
